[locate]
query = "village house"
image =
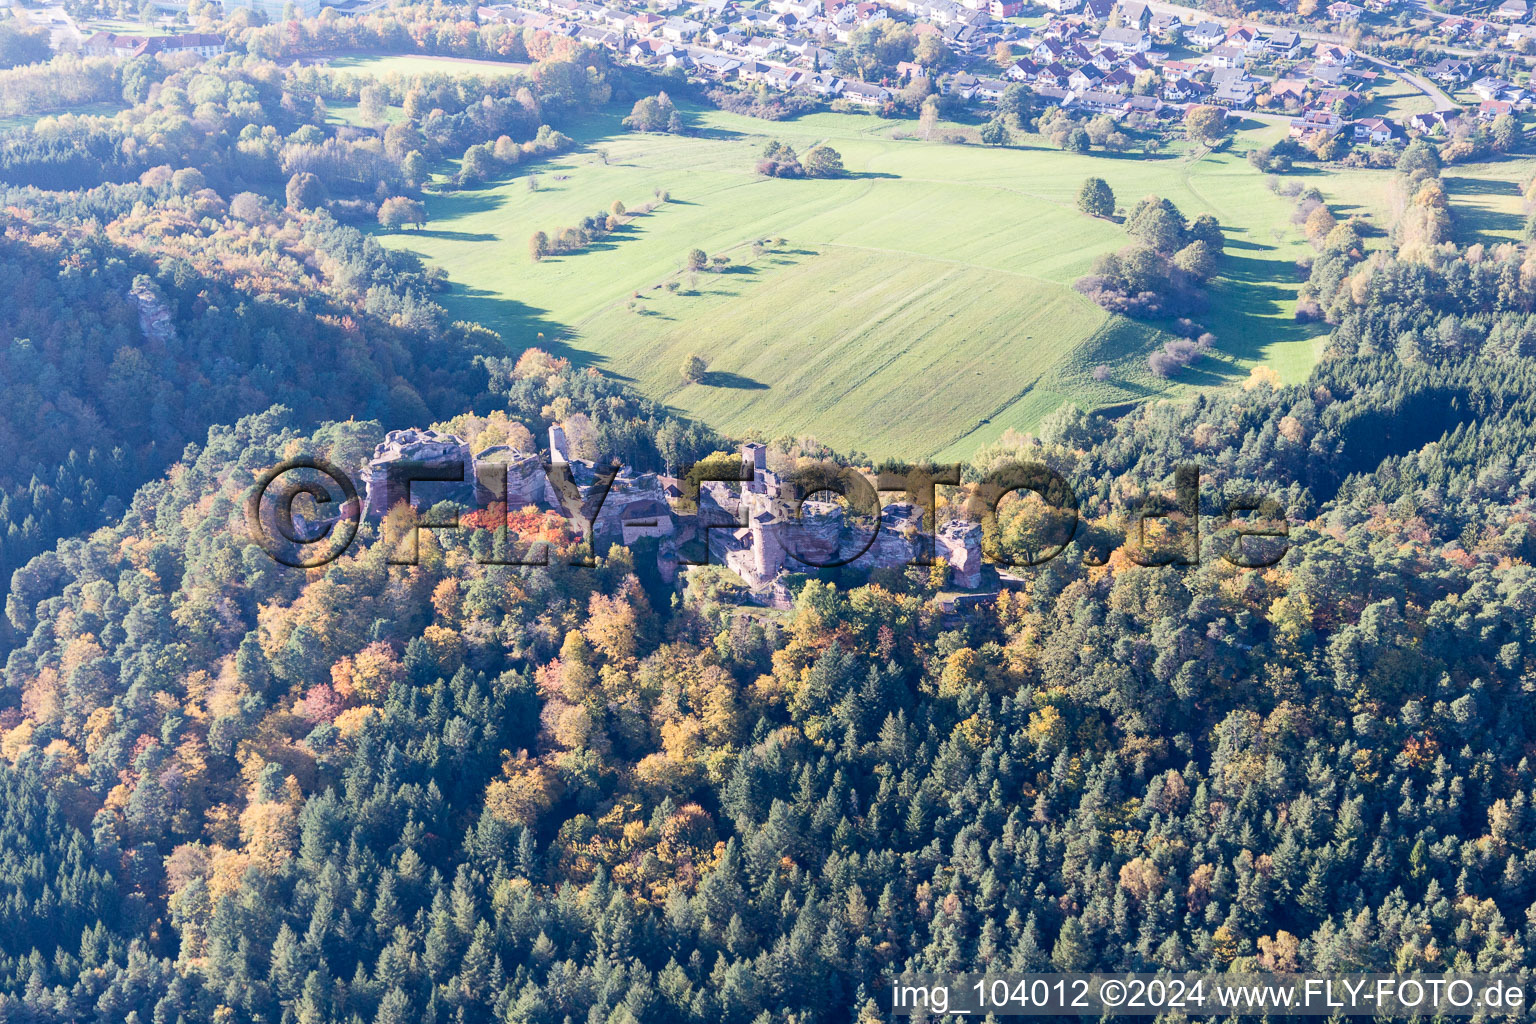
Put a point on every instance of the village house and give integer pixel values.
(1342, 11)
(1097, 102)
(1334, 99)
(1433, 122)
(1048, 50)
(1125, 40)
(1085, 78)
(962, 85)
(1206, 34)
(1376, 130)
(1313, 121)
(110, 44)
(989, 90)
(648, 51)
(1246, 38)
(680, 30)
(864, 94)
(1166, 27)
(1512, 10)
(965, 38)
(1134, 14)
(1227, 56)
(604, 37)
(1337, 56)
(1289, 91)
(1052, 76)
(1519, 32)
(1283, 44)
(1235, 93)
(823, 83)
(1023, 70)
(1490, 87)
(1181, 69)
(785, 78)
(1450, 71)
(716, 65)
(1098, 10)
(754, 71)
(1186, 90)
(1118, 81)
(1334, 74)
(1490, 109)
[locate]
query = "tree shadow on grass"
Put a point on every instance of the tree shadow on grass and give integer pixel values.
(462, 204)
(1249, 302)
(723, 379)
(456, 236)
(521, 325)
(1480, 187)
(716, 134)
(1472, 221)
(1204, 374)
(1136, 388)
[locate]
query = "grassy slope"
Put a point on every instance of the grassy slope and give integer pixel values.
(920, 306)
(1485, 198)
(419, 64)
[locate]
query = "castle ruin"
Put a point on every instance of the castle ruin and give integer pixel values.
(754, 528)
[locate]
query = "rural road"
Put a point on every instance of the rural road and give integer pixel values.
(1419, 82)
(1424, 85)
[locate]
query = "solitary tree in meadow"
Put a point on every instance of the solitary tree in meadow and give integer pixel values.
(400, 210)
(995, 131)
(823, 162)
(1205, 123)
(1095, 198)
(694, 368)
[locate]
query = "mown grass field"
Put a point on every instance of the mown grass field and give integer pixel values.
(1486, 200)
(918, 307)
(419, 64)
(1396, 98)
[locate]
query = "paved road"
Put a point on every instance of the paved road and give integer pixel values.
(1419, 82)
(1424, 85)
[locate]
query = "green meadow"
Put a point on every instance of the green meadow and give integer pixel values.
(410, 64)
(1486, 199)
(919, 306)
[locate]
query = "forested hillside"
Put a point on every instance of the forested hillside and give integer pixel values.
(207, 266)
(536, 795)
(466, 792)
